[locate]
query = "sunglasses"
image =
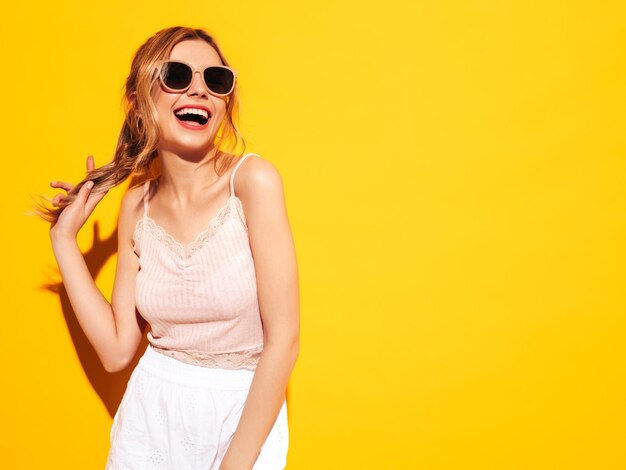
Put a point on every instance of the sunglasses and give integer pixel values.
(176, 76)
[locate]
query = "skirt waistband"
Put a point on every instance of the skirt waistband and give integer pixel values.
(177, 371)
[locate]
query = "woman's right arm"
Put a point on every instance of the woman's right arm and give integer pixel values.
(114, 329)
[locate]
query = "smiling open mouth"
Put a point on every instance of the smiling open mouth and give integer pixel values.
(193, 116)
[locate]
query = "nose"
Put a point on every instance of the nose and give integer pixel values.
(197, 86)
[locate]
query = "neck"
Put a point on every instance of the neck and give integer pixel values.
(182, 179)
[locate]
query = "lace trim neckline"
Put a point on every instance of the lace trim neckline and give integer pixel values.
(182, 250)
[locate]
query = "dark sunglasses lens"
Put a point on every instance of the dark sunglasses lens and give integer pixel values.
(176, 75)
(219, 80)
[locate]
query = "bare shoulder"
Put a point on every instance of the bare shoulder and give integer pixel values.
(130, 211)
(259, 186)
(132, 200)
(257, 179)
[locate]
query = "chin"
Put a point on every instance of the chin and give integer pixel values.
(185, 144)
(187, 148)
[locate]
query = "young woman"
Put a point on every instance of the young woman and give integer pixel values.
(205, 257)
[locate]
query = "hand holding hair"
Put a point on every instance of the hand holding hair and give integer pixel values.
(76, 213)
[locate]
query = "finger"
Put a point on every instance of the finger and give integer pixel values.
(83, 192)
(93, 200)
(62, 184)
(57, 198)
(90, 163)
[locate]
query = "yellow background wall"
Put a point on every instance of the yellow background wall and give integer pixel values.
(454, 173)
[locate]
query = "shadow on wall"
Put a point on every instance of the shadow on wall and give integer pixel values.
(109, 386)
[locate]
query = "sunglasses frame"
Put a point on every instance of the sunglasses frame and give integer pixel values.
(201, 70)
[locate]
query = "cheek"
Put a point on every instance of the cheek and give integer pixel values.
(220, 113)
(163, 104)
(162, 116)
(162, 108)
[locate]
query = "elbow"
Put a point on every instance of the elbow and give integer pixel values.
(114, 366)
(295, 351)
(289, 345)
(294, 343)
(286, 348)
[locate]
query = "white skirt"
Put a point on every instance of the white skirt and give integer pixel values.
(180, 416)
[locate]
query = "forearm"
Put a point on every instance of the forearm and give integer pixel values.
(93, 311)
(265, 398)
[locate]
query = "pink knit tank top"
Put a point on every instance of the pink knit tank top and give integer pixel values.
(200, 300)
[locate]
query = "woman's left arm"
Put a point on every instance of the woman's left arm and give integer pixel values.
(260, 190)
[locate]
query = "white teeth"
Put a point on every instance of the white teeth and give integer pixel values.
(201, 112)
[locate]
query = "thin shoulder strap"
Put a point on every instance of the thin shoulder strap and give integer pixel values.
(232, 176)
(146, 191)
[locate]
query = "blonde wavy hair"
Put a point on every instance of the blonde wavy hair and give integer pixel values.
(136, 149)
